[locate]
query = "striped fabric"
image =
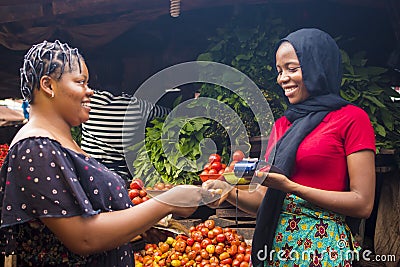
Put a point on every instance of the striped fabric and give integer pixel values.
(102, 133)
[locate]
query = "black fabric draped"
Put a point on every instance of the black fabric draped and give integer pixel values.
(320, 62)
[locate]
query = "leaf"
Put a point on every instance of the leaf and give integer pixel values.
(205, 57)
(374, 100)
(379, 129)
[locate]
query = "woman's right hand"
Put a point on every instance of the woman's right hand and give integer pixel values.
(218, 192)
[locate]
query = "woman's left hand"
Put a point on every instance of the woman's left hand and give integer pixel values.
(275, 180)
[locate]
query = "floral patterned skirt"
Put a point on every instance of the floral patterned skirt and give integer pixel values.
(308, 236)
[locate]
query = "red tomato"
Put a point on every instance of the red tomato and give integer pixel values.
(205, 242)
(219, 249)
(207, 166)
(221, 238)
(246, 257)
(216, 166)
(235, 263)
(218, 230)
(214, 158)
(205, 172)
(137, 200)
(133, 193)
(180, 246)
(210, 224)
(213, 171)
(238, 155)
(190, 241)
(136, 184)
(142, 193)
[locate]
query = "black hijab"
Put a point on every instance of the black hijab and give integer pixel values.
(321, 67)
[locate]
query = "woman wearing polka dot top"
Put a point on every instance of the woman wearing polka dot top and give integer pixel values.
(60, 207)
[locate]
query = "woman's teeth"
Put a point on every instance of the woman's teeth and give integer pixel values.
(289, 90)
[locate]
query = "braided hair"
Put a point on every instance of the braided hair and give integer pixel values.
(46, 58)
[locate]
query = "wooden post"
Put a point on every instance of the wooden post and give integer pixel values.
(10, 261)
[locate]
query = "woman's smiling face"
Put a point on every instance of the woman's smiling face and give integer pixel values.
(290, 76)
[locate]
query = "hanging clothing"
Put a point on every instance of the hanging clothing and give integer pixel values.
(110, 117)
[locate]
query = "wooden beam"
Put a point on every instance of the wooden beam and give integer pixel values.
(20, 12)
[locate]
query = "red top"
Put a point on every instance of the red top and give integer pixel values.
(321, 156)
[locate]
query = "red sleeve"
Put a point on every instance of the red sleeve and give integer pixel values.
(358, 134)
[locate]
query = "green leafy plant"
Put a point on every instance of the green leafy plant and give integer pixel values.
(248, 46)
(369, 88)
(77, 134)
(153, 164)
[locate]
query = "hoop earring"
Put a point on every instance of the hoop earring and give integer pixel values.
(52, 94)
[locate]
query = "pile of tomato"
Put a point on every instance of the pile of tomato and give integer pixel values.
(3, 153)
(215, 166)
(136, 191)
(207, 245)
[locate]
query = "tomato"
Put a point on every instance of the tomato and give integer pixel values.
(159, 186)
(216, 165)
(210, 249)
(204, 231)
(244, 264)
(212, 171)
(180, 246)
(214, 158)
(210, 224)
(137, 200)
(207, 166)
(210, 235)
(145, 198)
(239, 257)
(221, 238)
(192, 255)
(214, 259)
(219, 249)
(204, 254)
(196, 247)
(218, 230)
(205, 172)
(133, 193)
(235, 263)
(190, 241)
(241, 249)
(247, 257)
(238, 155)
(223, 256)
(205, 243)
(136, 184)
(232, 250)
(142, 193)
(164, 247)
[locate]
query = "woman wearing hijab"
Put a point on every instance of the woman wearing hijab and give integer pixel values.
(325, 149)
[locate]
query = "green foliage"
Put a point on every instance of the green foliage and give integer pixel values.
(77, 134)
(156, 164)
(369, 88)
(248, 46)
